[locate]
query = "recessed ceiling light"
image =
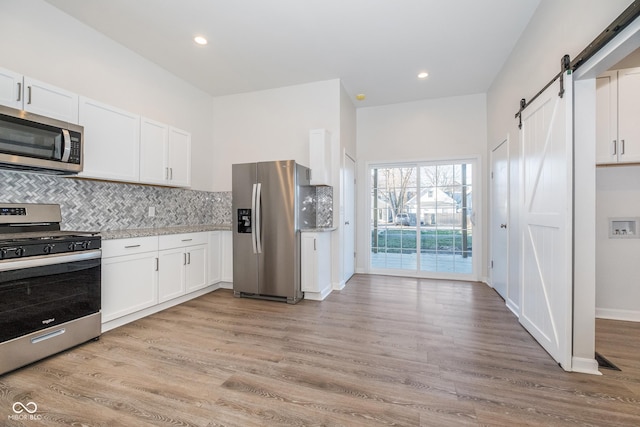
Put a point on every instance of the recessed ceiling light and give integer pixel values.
(200, 40)
(360, 97)
(423, 75)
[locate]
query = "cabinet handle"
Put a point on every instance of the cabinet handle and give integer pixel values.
(622, 147)
(29, 93)
(186, 240)
(314, 244)
(171, 174)
(184, 259)
(188, 257)
(157, 264)
(132, 246)
(19, 92)
(614, 149)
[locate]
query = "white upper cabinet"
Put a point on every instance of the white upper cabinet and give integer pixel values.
(628, 111)
(111, 142)
(617, 125)
(179, 157)
(165, 154)
(10, 89)
(154, 149)
(607, 117)
(320, 156)
(37, 97)
(118, 145)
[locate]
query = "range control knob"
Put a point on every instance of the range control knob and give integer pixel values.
(47, 249)
(72, 246)
(3, 253)
(19, 252)
(85, 245)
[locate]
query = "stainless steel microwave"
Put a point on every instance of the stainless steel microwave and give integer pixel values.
(30, 142)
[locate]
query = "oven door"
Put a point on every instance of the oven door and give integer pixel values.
(39, 292)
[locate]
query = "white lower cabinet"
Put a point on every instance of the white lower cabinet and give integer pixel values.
(129, 276)
(215, 256)
(144, 275)
(316, 265)
(171, 282)
(182, 264)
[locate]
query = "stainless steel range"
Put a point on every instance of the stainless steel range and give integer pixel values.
(49, 285)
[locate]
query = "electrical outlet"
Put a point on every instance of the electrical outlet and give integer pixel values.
(152, 211)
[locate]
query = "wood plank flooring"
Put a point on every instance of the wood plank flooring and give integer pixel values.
(383, 351)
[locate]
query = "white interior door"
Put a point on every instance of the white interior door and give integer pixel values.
(547, 214)
(349, 216)
(499, 217)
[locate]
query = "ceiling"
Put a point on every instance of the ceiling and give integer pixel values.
(375, 47)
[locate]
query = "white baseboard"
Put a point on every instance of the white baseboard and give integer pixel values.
(513, 307)
(615, 314)
(585, 366)
(225, 285)
(318, 296)
(339, 286)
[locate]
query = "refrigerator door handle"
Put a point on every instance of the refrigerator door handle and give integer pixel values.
(258, 222)
(253, 218)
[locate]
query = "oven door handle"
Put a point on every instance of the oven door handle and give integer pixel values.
(44, 260)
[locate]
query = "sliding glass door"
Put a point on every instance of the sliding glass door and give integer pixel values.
(422, 217)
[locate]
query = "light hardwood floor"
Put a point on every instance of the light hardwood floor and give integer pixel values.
(383, 351)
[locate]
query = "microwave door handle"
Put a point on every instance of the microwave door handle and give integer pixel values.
(66, 146)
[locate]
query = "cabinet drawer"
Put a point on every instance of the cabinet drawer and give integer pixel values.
(134, 245)
(182, 240)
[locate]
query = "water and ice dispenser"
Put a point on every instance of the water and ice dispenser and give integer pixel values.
(244, 221)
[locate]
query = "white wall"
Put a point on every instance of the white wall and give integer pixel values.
(271, 125)
(557, 28)
(41, 42)
(274, 125)
(419, 131)
(617, 260)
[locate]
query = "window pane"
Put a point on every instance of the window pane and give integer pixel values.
(421, 217)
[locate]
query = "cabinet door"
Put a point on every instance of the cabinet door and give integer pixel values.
(112, 142)
(46, 100)
(172, 264)
(154, 146)
(179, 157)
(196, 270)
(628, 108)
(129, 284)
(309, 261)
(10, 89)
(215, 257)
(607, 118)
(320, 156)
(227, 256)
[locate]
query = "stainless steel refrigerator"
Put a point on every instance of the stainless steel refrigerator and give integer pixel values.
(266, 229)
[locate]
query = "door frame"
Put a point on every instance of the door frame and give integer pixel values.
(345, 237)
(585, 193)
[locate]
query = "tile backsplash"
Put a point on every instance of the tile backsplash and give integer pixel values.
(89, 205)
(316, 206)
(97, 205)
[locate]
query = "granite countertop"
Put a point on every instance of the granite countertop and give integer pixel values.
(144, 232)
(317, 229)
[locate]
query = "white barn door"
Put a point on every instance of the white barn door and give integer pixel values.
(547, 217)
